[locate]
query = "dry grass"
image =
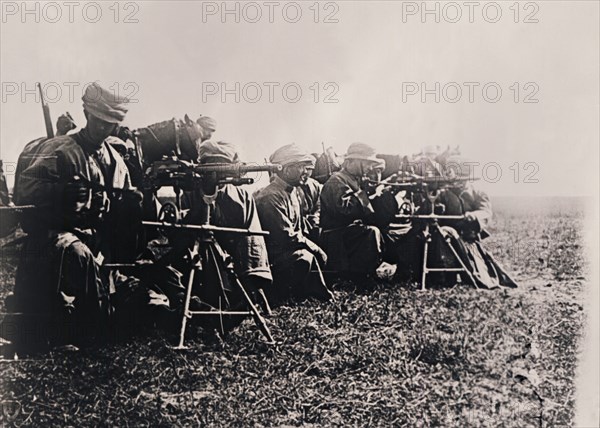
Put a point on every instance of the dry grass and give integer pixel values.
(395, 356)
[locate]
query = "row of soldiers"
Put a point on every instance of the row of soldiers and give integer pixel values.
(86, 205)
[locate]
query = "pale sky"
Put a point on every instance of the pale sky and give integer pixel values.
(368, 55)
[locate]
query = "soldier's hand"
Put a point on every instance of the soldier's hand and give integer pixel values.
(322, 256)
(317, 252)
(470, 217)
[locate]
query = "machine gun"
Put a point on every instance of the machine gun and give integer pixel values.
(208, 264)
(186, 175)
(419, 207)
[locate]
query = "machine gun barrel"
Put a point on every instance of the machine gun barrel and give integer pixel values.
(237, 169)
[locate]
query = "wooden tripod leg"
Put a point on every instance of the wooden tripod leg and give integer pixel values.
(258, 319)
(425, 254)
(186, 309)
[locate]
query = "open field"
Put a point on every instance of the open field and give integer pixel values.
(392, 357)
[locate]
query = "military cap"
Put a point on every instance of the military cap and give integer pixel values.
(104, 104)
(211, 151)
(291, 153)
(207, 123)
(361, 151)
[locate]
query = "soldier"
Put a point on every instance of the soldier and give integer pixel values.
(293, 256)
(208, 126)
(75, 181)
(466, 235)
(351, 219)
(233, 207)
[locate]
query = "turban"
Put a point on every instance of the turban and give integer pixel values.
(207, 123)
(209, 152)
(104, 104)
(291, 153)
(361, 151)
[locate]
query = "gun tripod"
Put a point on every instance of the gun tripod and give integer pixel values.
(445, 238)
(218, 282)
(432, 223)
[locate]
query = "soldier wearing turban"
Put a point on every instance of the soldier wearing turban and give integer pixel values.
(76, 182)
(295, 259)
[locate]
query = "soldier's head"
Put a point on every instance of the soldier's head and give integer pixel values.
(103, 110)
(378, 168)
(213, 152)
(360, 160)
(64, 124)
(216, 152)
(208, 126)
(462, 169)
(297, 164)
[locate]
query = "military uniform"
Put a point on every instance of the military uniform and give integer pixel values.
(58, 276)
(309, 194)
(293, 256)
(352, 242)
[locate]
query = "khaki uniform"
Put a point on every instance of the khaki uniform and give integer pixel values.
(58, 274)
(351, 240)
(291, 253)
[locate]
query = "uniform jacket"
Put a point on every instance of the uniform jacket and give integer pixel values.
(234, 207)
(468, 200)
(343, 202)
(279, 210)
(58, 161)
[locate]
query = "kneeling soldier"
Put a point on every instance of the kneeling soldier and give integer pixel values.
(295, 259)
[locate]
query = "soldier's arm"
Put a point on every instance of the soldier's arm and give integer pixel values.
(352, 205)
(275, 220)
(482, 205)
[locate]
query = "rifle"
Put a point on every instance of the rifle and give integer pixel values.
(46, 110)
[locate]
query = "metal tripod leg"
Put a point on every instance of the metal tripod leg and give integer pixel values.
(258, 319)
(425, 254)
(186, 310)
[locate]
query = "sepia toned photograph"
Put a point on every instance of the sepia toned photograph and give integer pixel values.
(300, 213)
